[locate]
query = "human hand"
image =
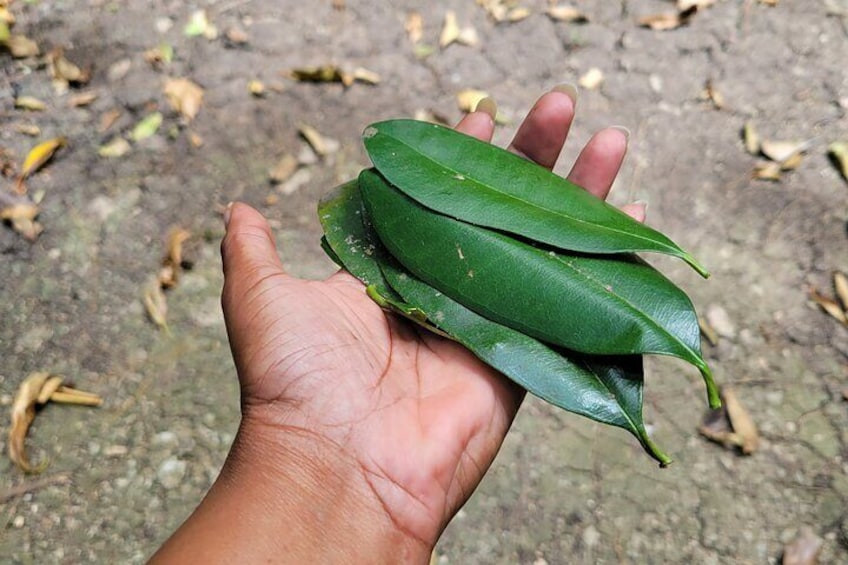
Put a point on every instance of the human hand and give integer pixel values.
(362, 435)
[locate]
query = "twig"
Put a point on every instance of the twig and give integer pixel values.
(38, 484)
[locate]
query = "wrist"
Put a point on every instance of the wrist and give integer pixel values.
(289, 495)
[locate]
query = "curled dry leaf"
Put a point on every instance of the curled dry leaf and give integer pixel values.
(708, 331)
(159, 55)
(468, 98)
(61, 69)
(237, 36)
(414, 26)
(517, 14)
(712, 95)
(108, 119)
(751, 138)
(284, 169)
(39, 388)
(173, 261)
(668, 21)
(829, 305)
(452, 33)
(592, 79)
(82, 99)
(840, 285)
(28, 129)
(767, 170)
(30, 103)
(323, 146)
(426, 115)
(21, 46)
(37, 158)
(566, 13)
(118, 147)
(21, 214)
(838, 152)
(185, 96)
(803, 550)
(686, 4)
(334, 73)
(731, 425)
(156, 304)
(782, 151)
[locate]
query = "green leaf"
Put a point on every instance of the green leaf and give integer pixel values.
(608, 390)
(479, 183)
(616, 305)
(147, 127)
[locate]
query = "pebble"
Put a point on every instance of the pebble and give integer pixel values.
(720, 321)
(171, 473)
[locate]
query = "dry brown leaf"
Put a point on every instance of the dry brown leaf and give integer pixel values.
(751, 138)
(517, 14)
(339, 5)
(82, 99)
(803, 550)
(414, 26)
(686, 4)
(592, 79)
(185, 96)
(362, 74)
(829, 305)
(156, 304)
(566, 13)
(21, 214)
(173, 261)
(712, 95)
(37, 158)
(237, 36)
(668, 21)
(766, 170)
(769, 2)
(731, 425)
(423, 115)
(195, 139)
(838, 151)
(284, 169)
(256, 88)
(452, 33)
(5, 15)
(840, 285)
(782, 151)
(323, 146)
(28, 129)
(108, 119)
(118, 147)
(334, 73)
(61, 69)
(22, 47)
(39, 388)
(468, 98)
(30, 103)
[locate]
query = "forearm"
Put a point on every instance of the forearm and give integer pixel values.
(297, 501)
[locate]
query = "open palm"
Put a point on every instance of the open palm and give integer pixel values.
(418, 417)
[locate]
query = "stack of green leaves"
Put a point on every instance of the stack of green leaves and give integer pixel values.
(531, 273)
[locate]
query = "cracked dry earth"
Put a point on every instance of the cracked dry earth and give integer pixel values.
(563, 490)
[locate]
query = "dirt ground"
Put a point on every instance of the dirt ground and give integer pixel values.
(563, 490)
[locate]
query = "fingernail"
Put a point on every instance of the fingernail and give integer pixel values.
(643, 204)
(568, 89)
(623, 130)
(487, 106)
(227, 213)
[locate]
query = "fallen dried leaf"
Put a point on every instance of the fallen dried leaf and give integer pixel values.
(21, 215)
(199, 24)
(668, 21)
(118, 147)
(39, 388)
(686, 4)
(323, 146)
(82, 99)
(108, 119)
(517, 14)
(30, 103)
(751, 138)
(256, 88)
(414, 26)
(468, 98)
(339, 5)
(362, 74)
(829, 305)
(61, 69)
(712, 95)
(769, 2)
(431, 116)
(333, 73)
(159, 55)
(592, 79)
(708, 332)
(781, 151)
(37, 158)
(28, 129)
(6, 16)
(195, 139)
(22, 47)
(803, 550)
(731, 425)
(566, 13)
(185, 96)
(767, 170)
(173, 261)
(838, 152)
(840, 285)
(452, 33)
(156, 304)
(284, 169)
(237, 36)
(146, 127)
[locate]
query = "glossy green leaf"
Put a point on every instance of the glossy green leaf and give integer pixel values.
(608, 390)
(479, 183)
(615, 305)
(605, 389)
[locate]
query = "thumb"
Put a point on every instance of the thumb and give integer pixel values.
(252, 271)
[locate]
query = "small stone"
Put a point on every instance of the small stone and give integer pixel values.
(591, 536)
(171, 473)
